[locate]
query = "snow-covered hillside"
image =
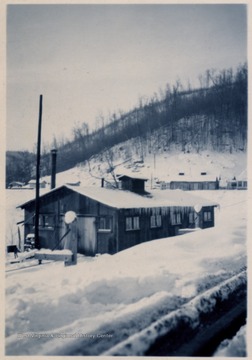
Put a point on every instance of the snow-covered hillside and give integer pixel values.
(159, 166)
(87, 308)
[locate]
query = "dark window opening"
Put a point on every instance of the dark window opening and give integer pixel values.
(46, 221)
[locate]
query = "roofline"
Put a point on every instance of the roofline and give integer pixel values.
(49, 192)
(190, 181)
(132, 177)
(75, 189)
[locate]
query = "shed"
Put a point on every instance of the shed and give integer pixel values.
(132, 183)
(109, 221)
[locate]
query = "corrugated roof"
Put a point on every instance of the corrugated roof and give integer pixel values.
(122, 199)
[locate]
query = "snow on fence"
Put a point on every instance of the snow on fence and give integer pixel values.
(189, 314)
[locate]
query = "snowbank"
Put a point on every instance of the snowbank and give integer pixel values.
(188, 314)
(122, 294)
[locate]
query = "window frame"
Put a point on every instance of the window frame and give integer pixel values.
(108, 221)
(207, 216)
(43, 224)
(176, 218)
(132, 223)
(155, 221)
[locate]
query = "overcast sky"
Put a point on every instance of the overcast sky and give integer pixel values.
(89, 60)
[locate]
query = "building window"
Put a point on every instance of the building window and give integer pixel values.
(155, 221)
(105, 224)
(46, 221)
(132, 223)
(207, 216)
(176, 218)
(191, 218)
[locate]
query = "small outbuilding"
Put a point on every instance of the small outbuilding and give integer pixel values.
(132, 183)
(108, 221)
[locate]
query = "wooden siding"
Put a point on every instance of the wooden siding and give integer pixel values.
(128, 238)
(193, 185)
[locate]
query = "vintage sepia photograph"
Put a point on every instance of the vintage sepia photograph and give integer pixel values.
(126, 179)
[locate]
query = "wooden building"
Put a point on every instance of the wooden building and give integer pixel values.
(109, 221)
(201, 181)
(239, 183)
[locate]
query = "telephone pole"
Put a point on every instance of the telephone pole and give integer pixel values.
(37, 243)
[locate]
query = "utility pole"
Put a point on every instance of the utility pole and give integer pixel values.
(37, 243)
(53, 169)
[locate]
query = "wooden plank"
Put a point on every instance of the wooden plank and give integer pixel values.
(55, 257)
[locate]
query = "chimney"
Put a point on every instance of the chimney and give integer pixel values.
(53, 164)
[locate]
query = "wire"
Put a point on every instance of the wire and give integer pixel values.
(240, 202)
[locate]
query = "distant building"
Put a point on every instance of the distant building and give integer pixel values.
(202, 181)
(239, 183)
(109, 221)
(15, 185)
(32, 184)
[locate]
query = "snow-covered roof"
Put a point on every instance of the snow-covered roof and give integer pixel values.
(33, 181)
(243, 175)
(122, 199)
(132, 176)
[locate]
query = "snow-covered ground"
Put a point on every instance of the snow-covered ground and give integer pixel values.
(52, 309)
